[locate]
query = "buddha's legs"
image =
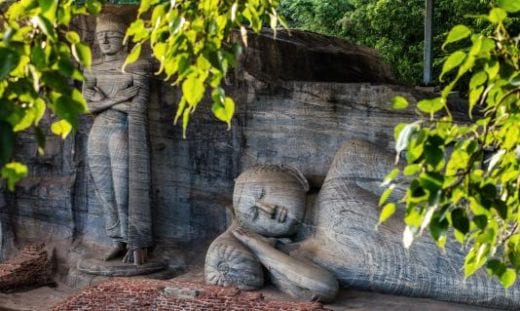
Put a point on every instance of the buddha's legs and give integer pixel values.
(108, 162)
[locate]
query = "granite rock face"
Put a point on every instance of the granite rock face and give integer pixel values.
(298, 100)
(298, 123)
(346, 243)
(306, 56)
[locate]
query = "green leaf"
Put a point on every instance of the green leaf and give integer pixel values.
(474, 96)
(32, 115)
(511, 6)
(224, 112)
(457, 33)
(460, 220)
(46, 27)
(38, 57)
(480, 221)
(387, 211)
(431, 105)
(9, 61)
(185, 121)
(82, 53)
(412, 169)
(492, 68)
(7, 139)
(438, 227)
(477, 80)
(434, 154)
(49, 8)
(497, 15)
(144, 6)
(390, 177)
(431, 182)
(72, 37)
(61, 128)
(386, 194)
(133, 56)
(69, 107)
(94, 6)
(404, 136)
(453, 61)
(193, 90)
(508, 278)
(399, 102)
(137, 30)
(14, 172)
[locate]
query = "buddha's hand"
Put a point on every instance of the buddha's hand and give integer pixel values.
(93, 95)
(127, 94)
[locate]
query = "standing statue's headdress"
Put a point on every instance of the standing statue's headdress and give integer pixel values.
(110, 22)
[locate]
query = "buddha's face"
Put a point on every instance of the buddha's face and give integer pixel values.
(269, 203)
(110, 42)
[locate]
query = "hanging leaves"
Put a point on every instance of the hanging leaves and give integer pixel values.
(466, 175)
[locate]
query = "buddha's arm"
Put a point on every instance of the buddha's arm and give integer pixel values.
(140, 101)
(99, 104)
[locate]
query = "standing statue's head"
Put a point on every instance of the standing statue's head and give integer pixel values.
(110, 33)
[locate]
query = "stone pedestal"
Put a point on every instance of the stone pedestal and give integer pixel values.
(117, 268)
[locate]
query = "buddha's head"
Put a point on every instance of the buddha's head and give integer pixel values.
(270, 200)
(110, 33)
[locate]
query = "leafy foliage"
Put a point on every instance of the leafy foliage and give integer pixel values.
(192, 40)
(393, 28)
(39, 57)
(37, 54)
(464, 178)
(323, 16)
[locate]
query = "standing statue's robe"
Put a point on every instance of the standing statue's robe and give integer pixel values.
(119, 157)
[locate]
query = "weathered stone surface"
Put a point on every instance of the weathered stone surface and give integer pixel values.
(298, 278)
(270, 200)
(5, 229)
(230, 263)
(279, 121)
(306, 56)
(347, 244)
(118, 268)
(300, 124)
(118, 145)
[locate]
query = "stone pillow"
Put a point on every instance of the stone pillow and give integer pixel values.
(230, 263)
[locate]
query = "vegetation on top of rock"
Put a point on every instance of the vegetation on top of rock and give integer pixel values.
(393, 28)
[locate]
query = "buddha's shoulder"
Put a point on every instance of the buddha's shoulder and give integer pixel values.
(139, 66)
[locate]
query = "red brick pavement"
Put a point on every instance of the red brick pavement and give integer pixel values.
(145, 294)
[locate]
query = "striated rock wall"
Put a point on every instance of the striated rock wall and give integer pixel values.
(284, 116)
(278, 121)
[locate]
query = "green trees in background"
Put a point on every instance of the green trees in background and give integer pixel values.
(393, 27)
(191, 39)
(320, 16)
(463, 178)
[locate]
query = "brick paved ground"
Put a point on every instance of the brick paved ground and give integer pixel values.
(144, 294)
(31, 268)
